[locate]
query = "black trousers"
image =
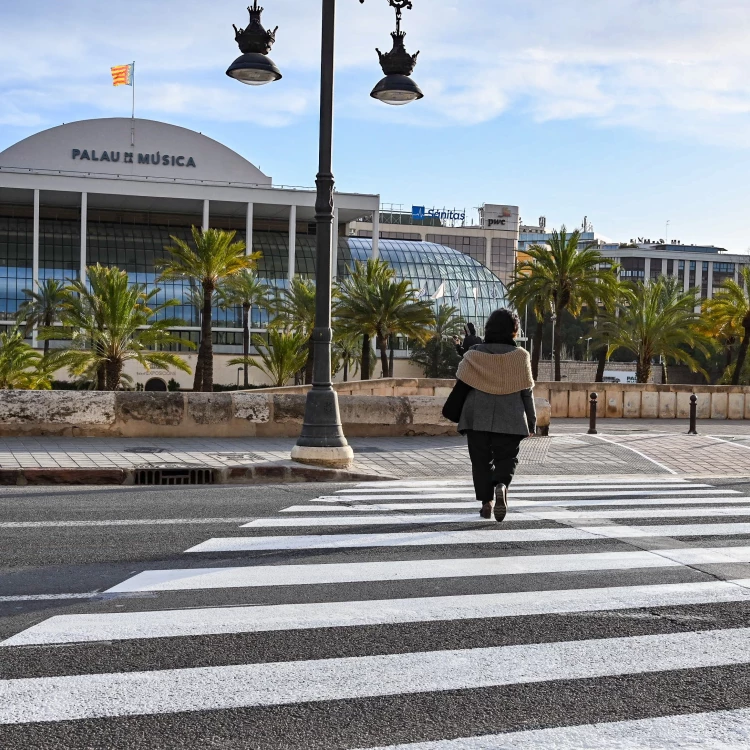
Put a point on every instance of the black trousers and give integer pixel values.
(494, 458)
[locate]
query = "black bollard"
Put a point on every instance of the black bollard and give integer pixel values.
(693, 415)
(592, 415)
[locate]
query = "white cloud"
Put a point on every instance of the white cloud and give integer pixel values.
(671, 67)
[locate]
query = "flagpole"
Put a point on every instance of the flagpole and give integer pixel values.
(132, 115)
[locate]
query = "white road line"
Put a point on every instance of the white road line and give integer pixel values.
(39, 699)
(120, 522)
(192, 579)
(466, 487)
(719, 730)
(376, 520)
(529, 480)
(221, 620)
(512, 517)
(46, 597)
(446, 538)
(343, 498)
(399, 539)
(516, 504)
(636, 451)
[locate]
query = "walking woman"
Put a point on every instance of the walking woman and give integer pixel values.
(498, 412)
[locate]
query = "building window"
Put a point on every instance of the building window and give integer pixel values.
(670, 267)
(722, 272)
(474, 247)
(704, 280)
(633, 268)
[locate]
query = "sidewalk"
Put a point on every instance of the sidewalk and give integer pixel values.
(621, 447)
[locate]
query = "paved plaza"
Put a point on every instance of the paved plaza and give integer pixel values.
(621, 447)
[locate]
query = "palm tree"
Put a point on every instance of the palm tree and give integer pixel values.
(346, 348)
(281, 357)
(438, 356)
(22, 368)
(728, 315)
(245, 290)
(297, 312)
(215, 257)
(356, 307)
(659, 320)
(110, 321)
(399, 311)
(532, 289)
(42, 307)
(573, 278)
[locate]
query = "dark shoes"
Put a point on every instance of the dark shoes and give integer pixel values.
(501, 502)
(486, 511)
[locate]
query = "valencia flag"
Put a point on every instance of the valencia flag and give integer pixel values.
(122, 75)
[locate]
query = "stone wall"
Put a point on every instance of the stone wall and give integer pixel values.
(649, 401)
(243, 414)
(388, 408)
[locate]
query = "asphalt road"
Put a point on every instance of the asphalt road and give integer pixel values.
(376, 616)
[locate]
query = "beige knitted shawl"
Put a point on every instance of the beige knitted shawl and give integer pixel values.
(498, 374)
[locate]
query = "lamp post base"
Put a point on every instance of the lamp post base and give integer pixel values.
(340, 457)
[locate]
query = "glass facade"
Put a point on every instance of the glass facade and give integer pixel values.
(138, 248)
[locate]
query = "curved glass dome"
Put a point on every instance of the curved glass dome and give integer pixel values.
(428, 266)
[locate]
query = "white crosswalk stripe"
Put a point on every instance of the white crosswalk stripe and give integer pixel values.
(410, 610)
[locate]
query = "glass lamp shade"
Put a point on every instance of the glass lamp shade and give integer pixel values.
(254, 69)
(396, 90)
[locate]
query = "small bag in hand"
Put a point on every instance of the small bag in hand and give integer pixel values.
(455, 402)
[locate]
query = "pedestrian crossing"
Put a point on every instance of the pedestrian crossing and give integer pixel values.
(602, 613)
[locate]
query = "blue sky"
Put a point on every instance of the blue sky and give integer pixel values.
(631, 112)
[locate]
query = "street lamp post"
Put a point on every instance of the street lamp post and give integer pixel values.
(322, 440)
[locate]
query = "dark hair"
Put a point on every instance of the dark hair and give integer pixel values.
(501, 327)
(472, 330)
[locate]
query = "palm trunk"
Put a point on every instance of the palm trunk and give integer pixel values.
(537, 345)
(664, 372)
(346, 367)
(101, 378)
(113, 370)
(246, 341)
(205, 365)
(390, 358)
(366, 350)
(741, 354)
(643, 369)
(47, 324)
(382, 345)
(557, 343)
(601, 364)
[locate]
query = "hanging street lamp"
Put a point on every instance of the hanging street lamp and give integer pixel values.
(397, 87)
(322, 440)
(253, 66)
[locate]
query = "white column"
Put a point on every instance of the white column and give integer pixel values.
(249, 229)
(335, 244)
(736, 273)
(710, 279)
(206, 204)
(686, 278)
(35, 255)
(292, 240)
(664, 267)
(375, 233)
(84, 233)
(647, 269)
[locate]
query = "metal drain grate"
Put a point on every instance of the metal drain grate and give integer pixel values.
(184, 475)
(144, 450)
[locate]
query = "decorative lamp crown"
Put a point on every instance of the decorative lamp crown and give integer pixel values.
(398, 61)
(255, 39)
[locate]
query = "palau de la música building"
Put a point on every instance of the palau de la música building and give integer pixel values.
(113, 191)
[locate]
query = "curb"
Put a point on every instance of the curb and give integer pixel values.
(284, 472)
